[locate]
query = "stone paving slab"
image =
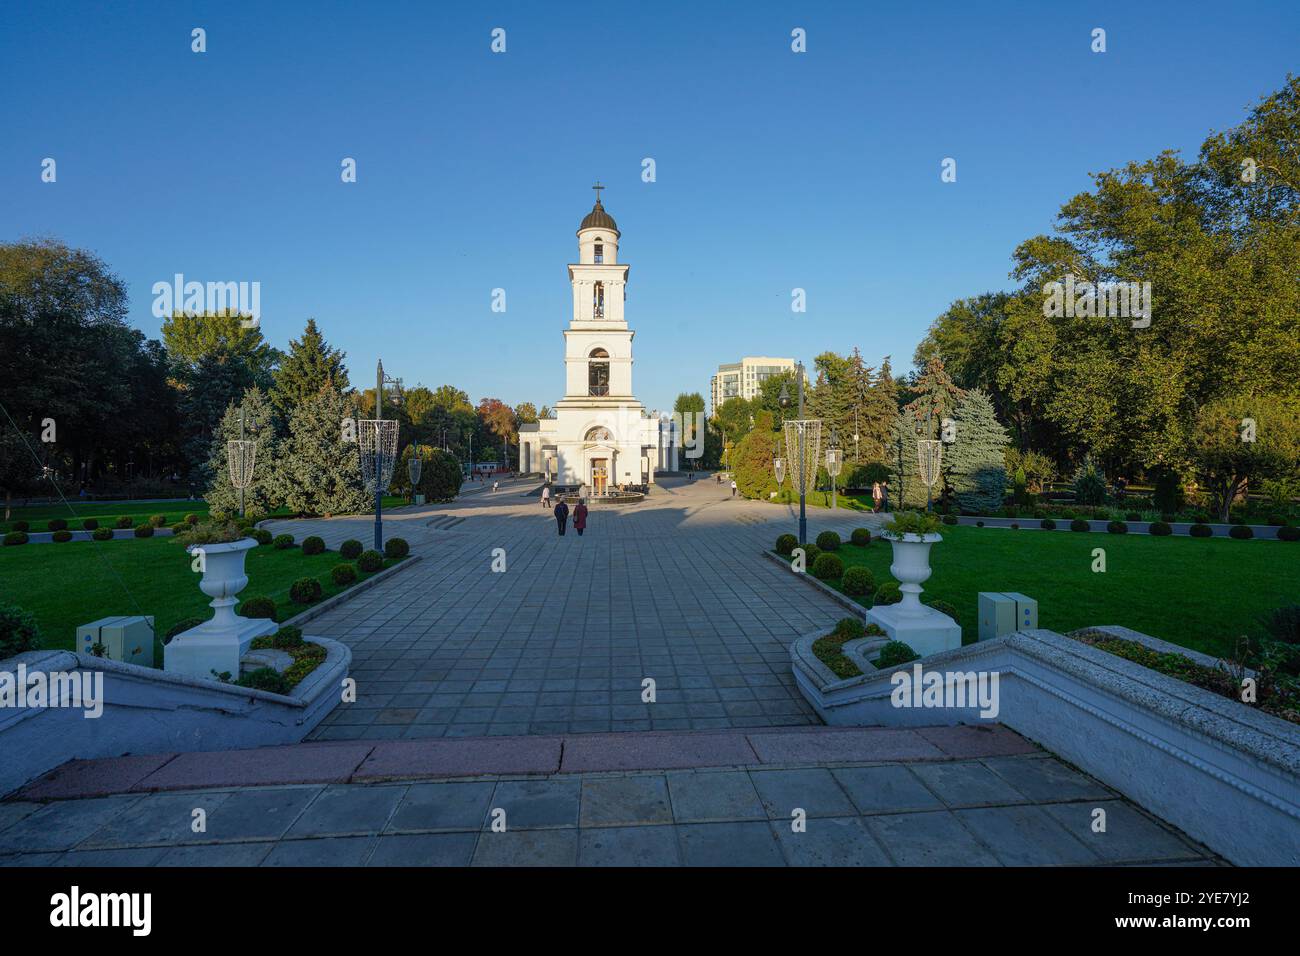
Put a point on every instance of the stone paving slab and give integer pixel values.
(460, 758)
(656, 751)
(878, 744)
(93, 778)
(296, 763)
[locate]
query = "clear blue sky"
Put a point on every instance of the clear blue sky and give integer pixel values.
(775, 170)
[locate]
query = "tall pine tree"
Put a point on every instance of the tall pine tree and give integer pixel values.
(320, 473)
(975, 462)
(310, 366)
(260, 497)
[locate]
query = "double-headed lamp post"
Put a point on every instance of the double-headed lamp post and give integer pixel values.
(833, 462)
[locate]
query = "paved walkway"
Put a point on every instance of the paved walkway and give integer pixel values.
(673, 589)
(1022, 808)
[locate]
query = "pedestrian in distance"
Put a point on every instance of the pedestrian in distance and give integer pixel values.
(733, 487)
(580, 518)
(876, 496)
(546, 496)
(561, 516)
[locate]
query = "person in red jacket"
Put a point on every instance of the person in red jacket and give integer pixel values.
(580, 517)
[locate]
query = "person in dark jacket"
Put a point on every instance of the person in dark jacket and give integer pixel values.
(580, 517)
(561, 515)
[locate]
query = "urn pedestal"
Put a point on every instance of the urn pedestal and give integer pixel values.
(218, 644)
(922, 628)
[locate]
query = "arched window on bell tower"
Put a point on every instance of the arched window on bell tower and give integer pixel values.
(598, 372)
(599, 250)
(598, 300)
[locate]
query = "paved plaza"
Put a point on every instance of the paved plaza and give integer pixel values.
(673, 589)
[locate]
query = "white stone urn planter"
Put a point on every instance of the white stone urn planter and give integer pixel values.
(922, 628)
(218, 644)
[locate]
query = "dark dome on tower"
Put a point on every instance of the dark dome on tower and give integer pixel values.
(598, 219)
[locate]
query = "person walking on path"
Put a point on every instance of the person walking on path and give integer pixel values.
(546, 496)
(733, 487)
(876, 496)
(495, 485)
(580, 518)
(561, 516)
(884, 496)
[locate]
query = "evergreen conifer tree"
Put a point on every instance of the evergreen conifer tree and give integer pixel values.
(310, 366)
(975, 463)
(320, 473)
(260, 497)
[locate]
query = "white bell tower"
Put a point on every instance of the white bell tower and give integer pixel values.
(598, 343)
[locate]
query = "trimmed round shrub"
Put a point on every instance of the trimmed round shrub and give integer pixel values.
(1078, 524)
(191, 518)
(858, 581)
(1132, 516)
(396, 548)
(370, 561)
(949, 519)
(287, 637)
(305, 591)
(860, 536)
(979, 524)
(1241, 532)
(1015, 526)
(261, 535)
(785, 544)
(1160, 529)
(259, 606)
(849, 628)
(102, 534)
(18, 630)
(828, 567)
(62, 536)
(57, 524)
(282, 541)
(1288, 533)
(144, 531)
(157, 520)
(124, 522)
(182, 625)
(180, 527)
(1117, 527)
(895, 653)
(810, 555)
(21, 526)
(313, 545)
(267, 679)
(828, 541)
(351, 549)
(888, 593)
(1200, 530)
(943, 607)
(1047, 524)
(343, 574)
(90, 524)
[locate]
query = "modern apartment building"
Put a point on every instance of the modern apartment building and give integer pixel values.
(744, 379)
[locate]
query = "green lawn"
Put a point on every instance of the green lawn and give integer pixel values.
(66, 585)
(1200, 593)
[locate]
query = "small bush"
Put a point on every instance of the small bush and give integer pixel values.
(259, 606)
(182, 625)
(858, 581)
(124, 522)
(305, 591)
(810, 554)
(343, 574)
(1015, 526)
(827, 567)
(1078, 524)
(282, 541)
(943, 607)
(888, 593)
(860, 536)
(102, 534)
(261, 535)
(267, 679)
(1160, 529)
(18, 631)
(1288, 533)
(895, 653)
(313, 545)
(979, 524)
(1047, 524)
(785, 544)
(351, 549)
(157, 520)
(1200, 530)
(21, 526)
(396, 548)
(1117, 527)
(828, 541)
(144, 531)
(57, 524)
(287, 637)
(370, 561)
(849, 628)
(90, 524)
(62, 536)
(180, 527)
(191, 518)
(1241, 532)
(949, 519)
(15, 537)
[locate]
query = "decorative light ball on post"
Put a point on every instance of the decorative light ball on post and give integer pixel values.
(415, 467)
(778, 466)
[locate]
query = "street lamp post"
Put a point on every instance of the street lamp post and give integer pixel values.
(381, 435)
(801, 434)
(833, 463)
(240, 458)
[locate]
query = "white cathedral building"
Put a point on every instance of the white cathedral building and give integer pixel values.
(600, 435)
